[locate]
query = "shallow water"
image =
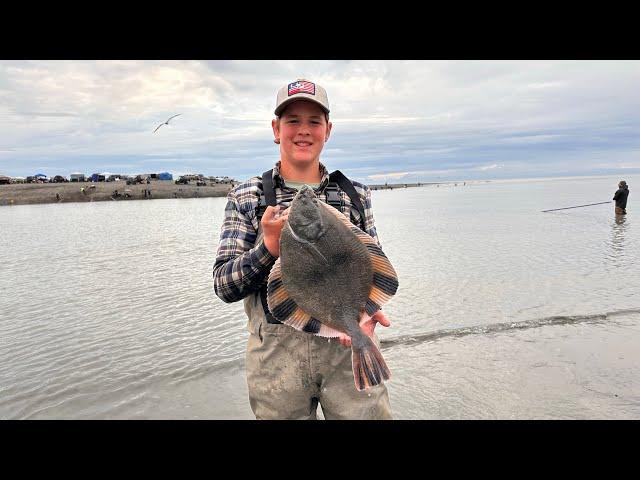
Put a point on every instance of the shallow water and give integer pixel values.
(107, 310)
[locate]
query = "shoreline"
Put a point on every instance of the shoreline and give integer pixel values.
(391, 186)
(71, 192)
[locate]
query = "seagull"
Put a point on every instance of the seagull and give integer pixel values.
(165, 123)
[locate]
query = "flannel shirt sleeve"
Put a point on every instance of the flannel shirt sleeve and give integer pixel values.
(241, 265)
(369, 222)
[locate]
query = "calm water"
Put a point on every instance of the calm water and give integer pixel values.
(107, 310)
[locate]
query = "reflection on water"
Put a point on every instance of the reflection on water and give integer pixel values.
(619, 228)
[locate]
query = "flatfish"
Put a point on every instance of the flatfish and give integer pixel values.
(329, 272)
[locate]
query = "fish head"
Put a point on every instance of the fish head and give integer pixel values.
(305, 217)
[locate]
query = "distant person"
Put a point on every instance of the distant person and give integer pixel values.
(621, 198)
(290, 372)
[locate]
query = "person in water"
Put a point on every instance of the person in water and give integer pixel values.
(621, 198)
(290, 372)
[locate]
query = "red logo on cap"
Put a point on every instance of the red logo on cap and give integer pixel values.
(302, 86)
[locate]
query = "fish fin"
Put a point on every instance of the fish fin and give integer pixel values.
(385, 279)
(327, 331)
(287, 311)
(369, 368)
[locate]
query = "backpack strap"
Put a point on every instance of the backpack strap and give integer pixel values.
(346, 185)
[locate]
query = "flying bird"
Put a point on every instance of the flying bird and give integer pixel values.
(165, 123)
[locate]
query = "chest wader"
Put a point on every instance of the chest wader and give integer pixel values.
(268, 198)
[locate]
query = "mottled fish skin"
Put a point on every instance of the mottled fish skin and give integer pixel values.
(334, 290)
(328, 273)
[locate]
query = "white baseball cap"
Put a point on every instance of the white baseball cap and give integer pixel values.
(301, 89)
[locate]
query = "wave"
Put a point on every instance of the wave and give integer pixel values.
(502, 327)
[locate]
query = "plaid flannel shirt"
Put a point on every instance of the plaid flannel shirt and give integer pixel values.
(243, 262)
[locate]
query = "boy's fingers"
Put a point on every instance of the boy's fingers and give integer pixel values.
(268, 213)
(345, 340)
(275, 213)
(382, 319)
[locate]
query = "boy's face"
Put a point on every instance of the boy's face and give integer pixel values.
(302, 131)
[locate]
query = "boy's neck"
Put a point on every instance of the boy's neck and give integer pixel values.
(307, 173)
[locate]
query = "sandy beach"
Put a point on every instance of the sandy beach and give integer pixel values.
(30, 193)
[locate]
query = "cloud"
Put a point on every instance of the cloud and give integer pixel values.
(45, 114)
(420, 118)
(484, 168)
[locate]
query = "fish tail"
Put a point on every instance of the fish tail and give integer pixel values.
(369, 368)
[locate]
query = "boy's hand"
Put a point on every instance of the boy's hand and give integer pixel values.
(272, 223)
(368, 325)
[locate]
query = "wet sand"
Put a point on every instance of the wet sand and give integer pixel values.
(31, 193)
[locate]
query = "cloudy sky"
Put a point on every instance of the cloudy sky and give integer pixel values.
(392, 120)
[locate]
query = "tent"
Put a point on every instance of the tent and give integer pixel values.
(165, 176)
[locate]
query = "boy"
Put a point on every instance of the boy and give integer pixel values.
(288, 371)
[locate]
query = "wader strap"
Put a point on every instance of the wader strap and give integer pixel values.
(267, 189)
(350, 190)
(333, 196)
(267, 198)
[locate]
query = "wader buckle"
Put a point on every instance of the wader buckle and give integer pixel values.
(333, 196)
